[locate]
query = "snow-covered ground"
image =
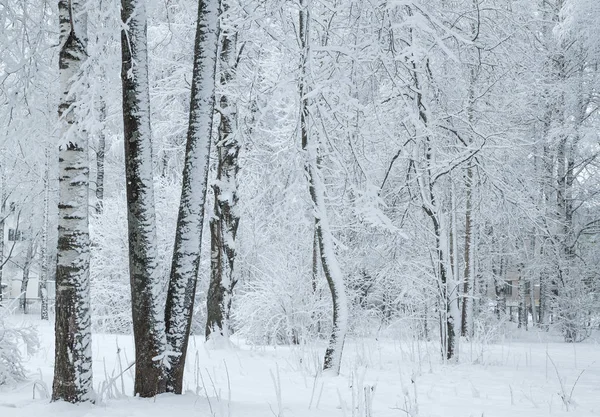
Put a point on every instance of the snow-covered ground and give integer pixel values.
(528, 378)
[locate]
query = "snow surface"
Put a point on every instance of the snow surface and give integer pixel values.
(515, 378)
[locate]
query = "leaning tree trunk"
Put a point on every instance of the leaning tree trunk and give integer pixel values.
(73, 359)
(148, 321)
(225, 221)
(329, 263)
(188, 235)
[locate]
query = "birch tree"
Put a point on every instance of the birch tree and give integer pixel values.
(44, 262)
(188, 238)
(2, 224)
(148, 321)
(328, 257)
(225, 220)
(73, 362)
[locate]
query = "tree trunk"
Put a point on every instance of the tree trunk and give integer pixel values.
(500, 289)
(188, 235)
(2, 219)
(100, 159)
(467, 305)
(546, 187)
(148, 320)
(44, 249)
(225, 222)
(73, 359)
(329, 263)
(26, 268)
(522, 295)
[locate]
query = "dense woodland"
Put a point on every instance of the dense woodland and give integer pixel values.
(303, 170)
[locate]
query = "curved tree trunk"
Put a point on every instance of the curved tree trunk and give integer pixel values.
(329, 263)
(188, 236)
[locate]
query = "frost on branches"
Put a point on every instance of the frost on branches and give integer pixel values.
(11, 358)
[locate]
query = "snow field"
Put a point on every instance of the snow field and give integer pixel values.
(381, 378)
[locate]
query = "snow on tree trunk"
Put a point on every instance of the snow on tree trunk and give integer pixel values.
(148, 319)
(331, 268)
(100, 158)
(188, 237)
(522, 295)
(44, 249)
(448, 310)
(500, 288)
(225, 221)
(2, 219)
(73, 360)
(26, 268)
(467, 304)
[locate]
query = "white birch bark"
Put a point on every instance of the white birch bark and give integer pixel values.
(73, 362)
(44, 245)
(225, 220)
(26, 269)
(331, 268)
(100, 158)
(2, 223)
(188, 238)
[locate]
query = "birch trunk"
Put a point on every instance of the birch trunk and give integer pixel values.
(148, 319)
(188, 235)
(100, 159)
(73, 361)
(522, 295)
(449, 314)
(44, 249)
(26, 268)
(500, 289)
(329, 263)
(2, 219)
(546, 187)
(225, 222)
(467, 304)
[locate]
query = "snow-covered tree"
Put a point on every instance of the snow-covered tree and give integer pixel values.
(188, 237)
(148, 321)
(73, 357)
